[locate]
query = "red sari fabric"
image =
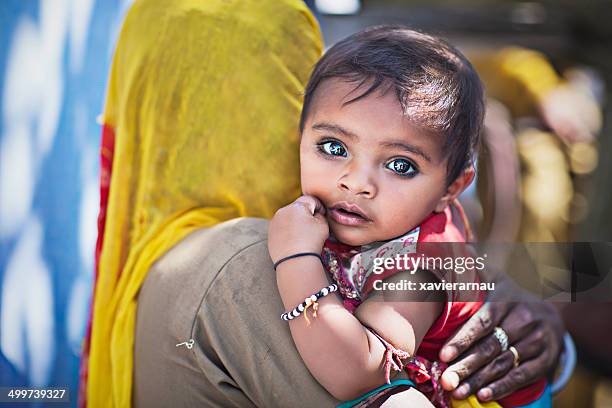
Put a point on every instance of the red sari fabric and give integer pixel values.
(107, 149)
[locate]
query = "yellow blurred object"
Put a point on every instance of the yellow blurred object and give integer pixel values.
(579, 208)
(204, 98)
(579, 391)
(546, 189)
(518, 77)
(603, 394)
(472, 402)
(527, 84)
(583, 157)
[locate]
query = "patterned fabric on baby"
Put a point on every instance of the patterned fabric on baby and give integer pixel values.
(351, 267)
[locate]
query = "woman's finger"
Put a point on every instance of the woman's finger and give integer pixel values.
(478, 326)
(516, 325)
(491, 372)
(526, 349)
(525, 374)
(519, 322)
(477, 356)
(482, 353)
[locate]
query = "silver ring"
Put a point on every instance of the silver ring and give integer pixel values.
(502, 337)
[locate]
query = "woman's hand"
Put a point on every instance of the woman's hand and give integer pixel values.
(533, 327)
(299, 227)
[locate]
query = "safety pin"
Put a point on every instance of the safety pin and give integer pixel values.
(188, 344)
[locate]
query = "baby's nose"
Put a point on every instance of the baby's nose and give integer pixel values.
(358, 183)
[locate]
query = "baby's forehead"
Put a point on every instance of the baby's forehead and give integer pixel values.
(344, 91)
(339, 97)
(377, 114)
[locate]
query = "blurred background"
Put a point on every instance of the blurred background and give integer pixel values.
(54, 61)
(543, 174)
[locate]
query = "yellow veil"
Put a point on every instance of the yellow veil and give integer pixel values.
(204, 99)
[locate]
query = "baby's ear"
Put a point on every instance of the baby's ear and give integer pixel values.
(456, 187)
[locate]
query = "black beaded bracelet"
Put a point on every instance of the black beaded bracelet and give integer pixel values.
(297, 256)
(311, 300)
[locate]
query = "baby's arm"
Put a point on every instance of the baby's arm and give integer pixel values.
(345, 357)
(402, 317)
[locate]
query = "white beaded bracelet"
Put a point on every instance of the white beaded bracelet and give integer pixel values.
(309, 301)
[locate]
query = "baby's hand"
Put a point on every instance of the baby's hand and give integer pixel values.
(299, 227)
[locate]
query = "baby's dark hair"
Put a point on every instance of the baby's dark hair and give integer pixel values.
(437, 87)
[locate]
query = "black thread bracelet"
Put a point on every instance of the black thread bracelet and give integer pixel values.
(297, 256)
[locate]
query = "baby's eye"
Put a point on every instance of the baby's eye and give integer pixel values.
(333, 148)
(402, 167)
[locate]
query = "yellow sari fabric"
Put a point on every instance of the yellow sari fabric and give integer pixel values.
(204, 98)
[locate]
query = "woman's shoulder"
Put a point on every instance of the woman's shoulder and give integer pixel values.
(224, 239)
(212, 294)
(177, 283)
(204, 252)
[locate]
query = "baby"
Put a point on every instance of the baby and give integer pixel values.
(389, 128)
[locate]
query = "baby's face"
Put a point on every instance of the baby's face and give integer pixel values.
(377, 176)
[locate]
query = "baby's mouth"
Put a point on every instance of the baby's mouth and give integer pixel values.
(347, 212)
(346, 217)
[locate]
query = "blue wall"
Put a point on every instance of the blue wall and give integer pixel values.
(54, 61)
